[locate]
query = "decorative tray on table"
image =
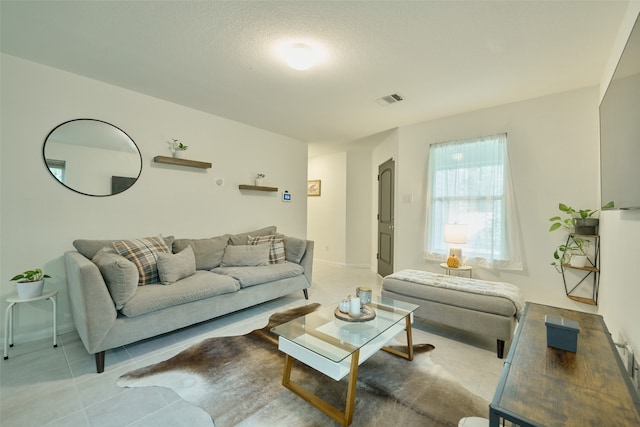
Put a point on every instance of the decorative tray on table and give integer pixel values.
(366, 313)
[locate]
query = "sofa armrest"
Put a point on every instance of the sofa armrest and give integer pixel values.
(307, 261)
(92, 307)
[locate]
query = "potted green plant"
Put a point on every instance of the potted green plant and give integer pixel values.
(573, 253)
(177, 148)
(578, 221)
(259, 178)
(30, 283)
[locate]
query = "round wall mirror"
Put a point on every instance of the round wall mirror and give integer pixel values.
(92, 157)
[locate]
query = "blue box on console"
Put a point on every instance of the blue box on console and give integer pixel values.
(562, 333)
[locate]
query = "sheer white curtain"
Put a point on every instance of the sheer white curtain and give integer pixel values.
(470, 183)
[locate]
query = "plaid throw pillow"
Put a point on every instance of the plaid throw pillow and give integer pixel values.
(143, 253)
(276, 250)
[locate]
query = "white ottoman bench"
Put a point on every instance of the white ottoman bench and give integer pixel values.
(478, 306)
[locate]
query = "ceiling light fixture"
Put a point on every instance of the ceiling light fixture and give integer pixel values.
(300, 56)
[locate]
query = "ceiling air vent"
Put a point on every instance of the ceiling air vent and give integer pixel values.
(389, 99)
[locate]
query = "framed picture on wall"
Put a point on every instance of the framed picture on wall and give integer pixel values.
(313, 187)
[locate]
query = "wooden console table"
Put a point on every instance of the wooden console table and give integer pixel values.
(544, 386)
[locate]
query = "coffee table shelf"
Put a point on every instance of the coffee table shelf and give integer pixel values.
(336, 347)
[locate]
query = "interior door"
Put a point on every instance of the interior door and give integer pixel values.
(386, 173)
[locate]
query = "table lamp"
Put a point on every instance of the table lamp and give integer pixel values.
(455, 234)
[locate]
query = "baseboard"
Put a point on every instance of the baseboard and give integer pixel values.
(342, 264)
(43, 334)
(324, 261)
(359, 266)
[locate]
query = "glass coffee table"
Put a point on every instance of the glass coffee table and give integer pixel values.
(337, 347)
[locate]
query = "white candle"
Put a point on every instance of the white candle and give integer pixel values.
(355, 306)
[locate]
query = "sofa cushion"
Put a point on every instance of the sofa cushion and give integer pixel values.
(201, 285)
(120, 275)
(245, 256)
(276, 246)
(243, 238)
(208, 252)
(250, 276)
(89, 248)
(144, 254)
(294, 249)
(173, 267)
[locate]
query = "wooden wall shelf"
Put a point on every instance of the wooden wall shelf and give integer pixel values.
(583, 300)
(257, 188)
(592, 269)
(182, 162)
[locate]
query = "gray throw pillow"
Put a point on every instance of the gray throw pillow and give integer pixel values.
(294, 249)
(173, 267)
(120, 275)
(246, 255)
(243, 238)
(208, 252)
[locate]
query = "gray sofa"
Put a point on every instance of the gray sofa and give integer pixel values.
(117, 298)
(478, 306)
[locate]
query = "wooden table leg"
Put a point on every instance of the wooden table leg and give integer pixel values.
(409, 354)
(345, 418)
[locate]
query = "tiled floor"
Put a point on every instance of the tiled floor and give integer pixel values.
(40, 385)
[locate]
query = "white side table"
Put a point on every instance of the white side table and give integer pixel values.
(466, 268)
(8, 317)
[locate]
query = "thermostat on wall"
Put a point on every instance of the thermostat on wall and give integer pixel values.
(286, 196)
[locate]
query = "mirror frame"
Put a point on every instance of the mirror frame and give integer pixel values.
(44, 157)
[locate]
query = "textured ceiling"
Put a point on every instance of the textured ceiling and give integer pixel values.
(443, 57)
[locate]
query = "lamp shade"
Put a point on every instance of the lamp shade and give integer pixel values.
(455, 233)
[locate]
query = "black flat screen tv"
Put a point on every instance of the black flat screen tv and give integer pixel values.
(620, 130)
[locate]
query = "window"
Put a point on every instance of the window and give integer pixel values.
(469, 183)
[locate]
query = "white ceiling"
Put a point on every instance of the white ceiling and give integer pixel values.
(443, 57)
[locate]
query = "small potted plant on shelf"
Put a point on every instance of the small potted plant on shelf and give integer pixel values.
(177, 148)
(573, 253)
(30, 283)
(259, 179)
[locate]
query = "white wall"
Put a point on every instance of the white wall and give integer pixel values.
(619, 282)
(327, 221)
(339, 221)
(40, 218)
(359, 215)
(620, 249)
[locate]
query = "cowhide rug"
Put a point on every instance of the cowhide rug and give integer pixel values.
(237, 380)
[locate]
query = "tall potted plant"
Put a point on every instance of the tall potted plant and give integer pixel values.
(30, 283)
